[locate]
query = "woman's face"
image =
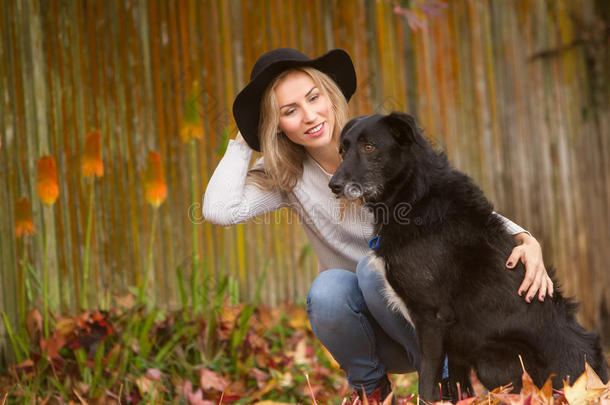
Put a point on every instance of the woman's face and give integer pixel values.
(306, 114)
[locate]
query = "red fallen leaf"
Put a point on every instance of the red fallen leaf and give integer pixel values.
(101, 320)
(228, 399)
(212, 380)
(310, 351)
(92, 329)
(527, 384)
(52, 345)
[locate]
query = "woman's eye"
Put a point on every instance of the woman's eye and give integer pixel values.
(314, 98)
(368, 147)
(288, 112)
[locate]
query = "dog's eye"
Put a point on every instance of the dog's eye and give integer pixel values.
(369, 147)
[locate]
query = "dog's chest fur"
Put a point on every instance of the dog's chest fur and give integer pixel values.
(394, 301)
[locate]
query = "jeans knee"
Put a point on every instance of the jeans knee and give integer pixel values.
(333, 295)
(370, 278)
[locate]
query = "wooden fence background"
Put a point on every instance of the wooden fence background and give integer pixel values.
(516, 91)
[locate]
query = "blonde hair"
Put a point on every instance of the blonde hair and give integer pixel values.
(283, 164)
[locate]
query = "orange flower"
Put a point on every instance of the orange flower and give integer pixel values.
(47, 187)
(23, 218)
(190, 130)
(92, 158)
(154, 182)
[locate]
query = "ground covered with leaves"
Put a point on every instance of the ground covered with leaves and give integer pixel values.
(233, 353)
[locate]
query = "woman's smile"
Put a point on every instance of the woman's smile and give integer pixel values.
(316, 131)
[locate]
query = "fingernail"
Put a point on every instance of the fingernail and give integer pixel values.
(510, 264)
(530, 298)
(542, 298)
(520, 293)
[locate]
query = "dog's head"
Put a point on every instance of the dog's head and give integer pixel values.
(376, 149)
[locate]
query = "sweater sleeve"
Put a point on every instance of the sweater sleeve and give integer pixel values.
(228, 200)
(511, 227)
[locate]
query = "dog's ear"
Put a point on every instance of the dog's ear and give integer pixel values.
(403, 127)
(350, 124)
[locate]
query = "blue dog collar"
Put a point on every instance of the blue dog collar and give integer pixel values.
(374, 243)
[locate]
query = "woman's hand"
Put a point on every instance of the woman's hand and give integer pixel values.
(240, 138)
(536, 278)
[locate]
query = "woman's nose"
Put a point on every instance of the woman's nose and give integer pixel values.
(309, 115)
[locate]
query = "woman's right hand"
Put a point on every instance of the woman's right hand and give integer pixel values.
(240, 138)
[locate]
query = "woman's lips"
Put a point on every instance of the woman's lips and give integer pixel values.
(318, 132)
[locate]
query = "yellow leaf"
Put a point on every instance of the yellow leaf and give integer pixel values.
(578, 393)
(146, 385)
(65, 326)
(265, 389)
(298, 319)
(593, 380)
(547, 389)
(330, 357)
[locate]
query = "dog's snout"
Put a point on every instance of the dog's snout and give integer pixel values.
(353, 190)
(336, 185)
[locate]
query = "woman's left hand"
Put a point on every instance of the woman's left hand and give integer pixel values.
(536, 278)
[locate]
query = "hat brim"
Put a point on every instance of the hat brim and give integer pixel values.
(246, 108)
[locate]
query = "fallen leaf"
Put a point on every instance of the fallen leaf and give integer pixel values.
(153, 374)
(149, 387)
(333, 362)
(260, 376)
(52, 345)
(212, 380)
(527, 384)
(271, 384)
(593, 380)
(298, 319)
(578, 393)
(65, 325)
(300, 353)
(546, 392)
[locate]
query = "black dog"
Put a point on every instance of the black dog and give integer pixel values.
(447, 265)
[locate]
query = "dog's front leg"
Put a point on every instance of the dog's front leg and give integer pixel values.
(430, 335)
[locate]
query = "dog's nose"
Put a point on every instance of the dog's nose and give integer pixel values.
(336, 185)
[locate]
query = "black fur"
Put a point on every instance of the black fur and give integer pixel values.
(446, 261)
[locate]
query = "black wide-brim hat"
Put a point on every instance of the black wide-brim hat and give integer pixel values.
(335, 63)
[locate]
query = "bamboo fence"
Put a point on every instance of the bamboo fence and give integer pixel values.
(516, 92)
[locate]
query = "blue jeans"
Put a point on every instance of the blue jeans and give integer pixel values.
(351, 318)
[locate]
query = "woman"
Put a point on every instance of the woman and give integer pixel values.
(293, 110)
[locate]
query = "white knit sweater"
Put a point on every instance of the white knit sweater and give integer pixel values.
(338, 242)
